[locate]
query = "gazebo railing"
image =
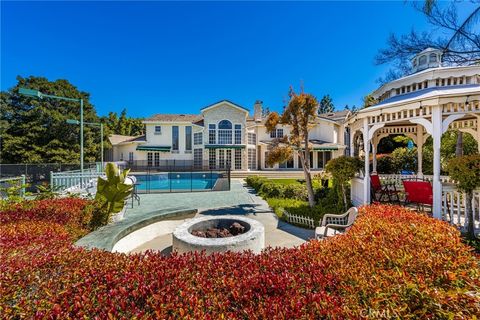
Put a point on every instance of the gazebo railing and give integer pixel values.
(397, 178)
(453, 201)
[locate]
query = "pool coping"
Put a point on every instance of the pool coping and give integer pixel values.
(107, 236)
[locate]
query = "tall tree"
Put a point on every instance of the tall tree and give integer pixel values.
(36, 130)
(326, 105)
(300, 115)
(459, 39)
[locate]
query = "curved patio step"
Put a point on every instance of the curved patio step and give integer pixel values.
(105, 237)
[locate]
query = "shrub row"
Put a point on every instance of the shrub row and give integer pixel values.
(270, 189)
(391, 260)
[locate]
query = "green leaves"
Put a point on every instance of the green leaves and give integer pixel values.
(113, 191)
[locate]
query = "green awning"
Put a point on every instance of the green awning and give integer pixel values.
(224, 146)
(325, 149)
(154, 148)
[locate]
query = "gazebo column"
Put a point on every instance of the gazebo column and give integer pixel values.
(437, 126)
(419, 151)
(374, 154)
(366, 179)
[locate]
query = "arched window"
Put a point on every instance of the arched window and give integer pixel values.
(225, 132)
(224, 124)
(433, 57)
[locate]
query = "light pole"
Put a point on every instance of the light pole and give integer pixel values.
(38, 94)
(73, 121)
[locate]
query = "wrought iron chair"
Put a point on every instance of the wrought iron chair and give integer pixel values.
(383, 192)
(333, 224)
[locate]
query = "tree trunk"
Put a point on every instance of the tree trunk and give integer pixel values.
(469, 216)
(305, 158)
(459, 146)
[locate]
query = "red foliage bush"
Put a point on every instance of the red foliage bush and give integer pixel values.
(392, 261)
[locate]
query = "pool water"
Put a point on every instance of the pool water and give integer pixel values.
(176, 181)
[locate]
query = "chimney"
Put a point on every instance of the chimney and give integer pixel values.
(257, 110)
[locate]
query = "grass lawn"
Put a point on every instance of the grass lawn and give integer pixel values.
(316, 183)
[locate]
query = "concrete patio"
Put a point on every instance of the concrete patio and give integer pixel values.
(240, 200)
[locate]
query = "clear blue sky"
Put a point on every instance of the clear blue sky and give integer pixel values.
(157, 57)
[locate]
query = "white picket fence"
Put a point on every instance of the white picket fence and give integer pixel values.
(397, 178)
(304, 221)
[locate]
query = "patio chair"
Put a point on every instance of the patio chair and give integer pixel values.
(383, 192)
(418, 192)
(333, 224)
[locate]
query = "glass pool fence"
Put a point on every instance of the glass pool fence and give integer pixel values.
(156, 180)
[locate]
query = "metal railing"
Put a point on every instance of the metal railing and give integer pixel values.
(74, 179)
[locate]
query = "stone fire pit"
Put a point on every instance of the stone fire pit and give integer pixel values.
(214, 235)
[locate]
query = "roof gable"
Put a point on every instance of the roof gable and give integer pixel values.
(227, 102)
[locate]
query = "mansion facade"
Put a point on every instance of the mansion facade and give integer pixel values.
(225, 135)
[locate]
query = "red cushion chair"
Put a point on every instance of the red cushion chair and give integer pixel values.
(418, 192)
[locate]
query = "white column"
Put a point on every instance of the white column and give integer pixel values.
(366, 179)
(352, 143)
(419, 150)
(374, 155)
(437, 184)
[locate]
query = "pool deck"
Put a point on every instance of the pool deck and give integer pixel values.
(239, 200)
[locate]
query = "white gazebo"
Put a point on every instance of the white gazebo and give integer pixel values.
(426, 103)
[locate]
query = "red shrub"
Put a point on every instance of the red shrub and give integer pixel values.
(392, 261)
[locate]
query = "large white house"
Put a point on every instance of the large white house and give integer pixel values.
(223, 135)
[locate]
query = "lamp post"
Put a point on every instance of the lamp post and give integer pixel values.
(73, 121)
(38, 94)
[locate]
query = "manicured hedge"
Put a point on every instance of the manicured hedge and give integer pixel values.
(392, 261)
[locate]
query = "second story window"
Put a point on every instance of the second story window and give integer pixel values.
(197, 138)
(252, 138)
(211, 134)
(188, 138)
(224, 132)
(238, 134)
(158, 129)
(175, 138)
(276, 133)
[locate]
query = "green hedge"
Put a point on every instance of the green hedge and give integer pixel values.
(271, 189)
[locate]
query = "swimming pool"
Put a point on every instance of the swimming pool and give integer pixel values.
(175, 181)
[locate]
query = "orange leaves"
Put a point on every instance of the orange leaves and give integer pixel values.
(392, 261)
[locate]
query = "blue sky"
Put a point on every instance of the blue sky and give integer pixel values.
(158, 57)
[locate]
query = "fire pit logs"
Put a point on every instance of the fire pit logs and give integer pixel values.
(233, 230)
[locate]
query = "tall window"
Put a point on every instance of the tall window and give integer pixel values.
(150, 159)
(175, 138)
(198, 138)
(225, 132)
(211, 134)
(197, 158)
(212, 159)
(221, 159)
(238, 134)
(130, 156)
(188, 139)
(157, 159)
(228, 156)
(252, 159)
(238, 159)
